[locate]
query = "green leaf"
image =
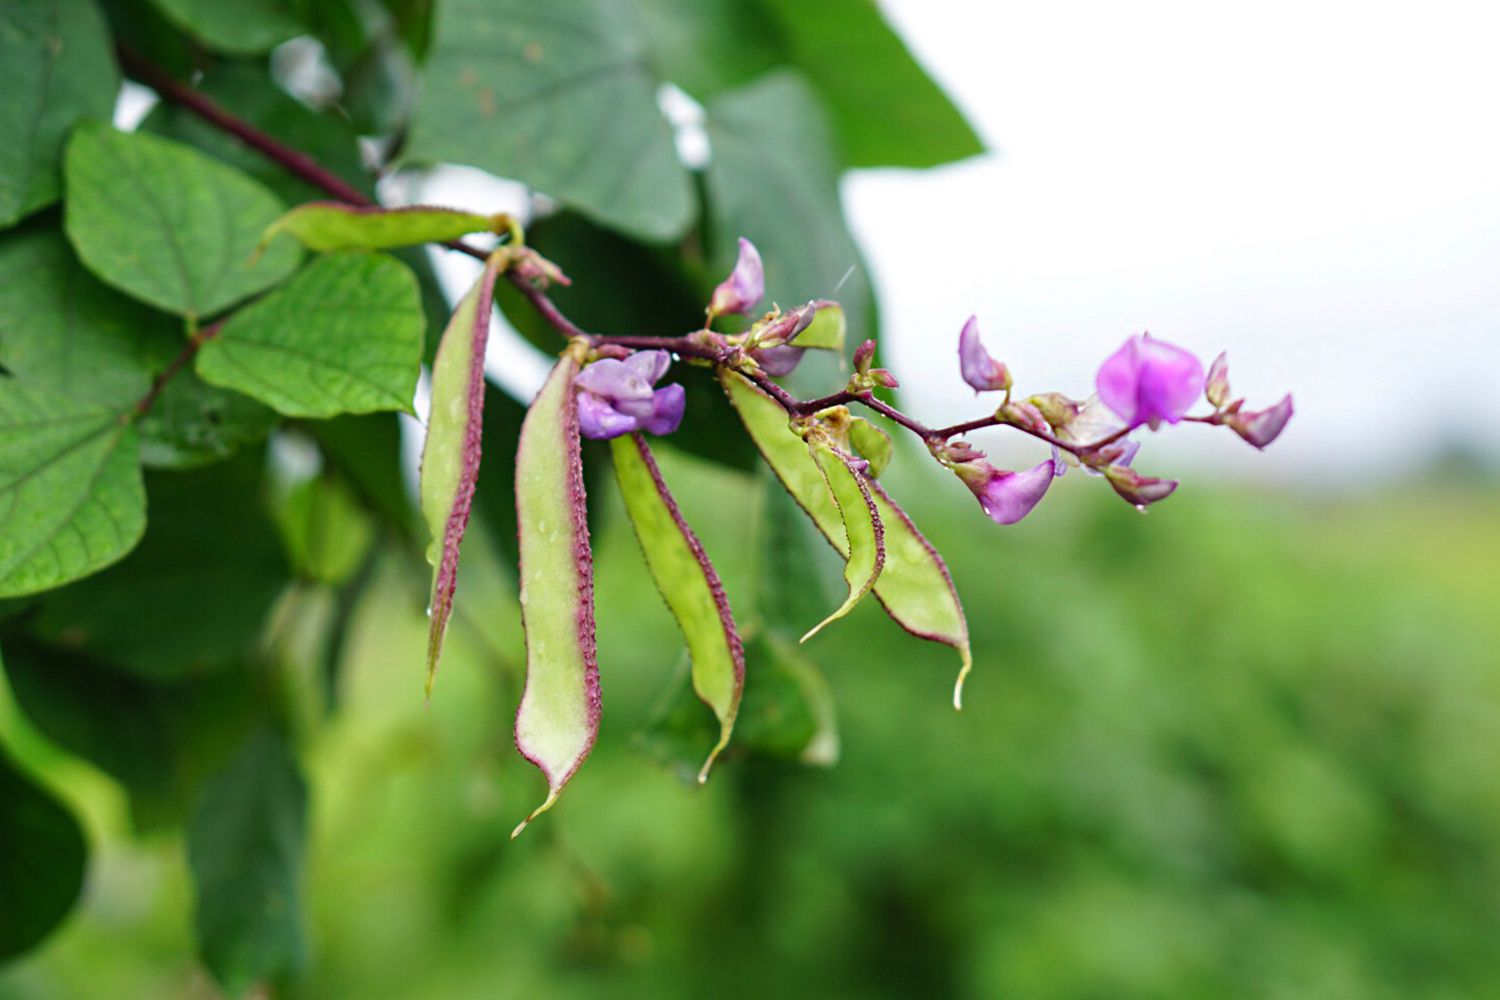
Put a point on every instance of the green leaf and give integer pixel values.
(558, 719)
(561, 98)
(864, 534)
(168, 225)
(705, 46)
(193, 423)
(244, 848)
(244, 27)
(887, 110)
(245, 89)
(63, 330)
(158, 740)
(343, 336)
(194, 596)
(71, 500)
(55, 68)
(366, 451)
(771, 146)
(687, 582)
(327, 533)
(42, 859)
(872, 444)
(450, 454)
(332, 225)
(914, 585)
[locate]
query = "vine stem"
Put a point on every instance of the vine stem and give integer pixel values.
(304, 166)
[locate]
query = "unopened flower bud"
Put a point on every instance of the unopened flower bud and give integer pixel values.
(1058, 410)
(743, 288)
(1006, 497)
(884, 378)
(959, 451)
(1261, 427)
(1138, 489)
(863, 355)
(982, 372)
(1148, 381)
(1217, 387)
(1023, 414)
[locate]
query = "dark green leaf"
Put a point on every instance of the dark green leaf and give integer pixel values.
(193, 597)
(343, 336)
(245, 847)
(71, 500)
(246, 89)
(245, 27)
(887, 110)
(55, 68)
(168, 225)
(366, 450)
(559, 97)
(42, 858)
(193, 423)
(705, 46)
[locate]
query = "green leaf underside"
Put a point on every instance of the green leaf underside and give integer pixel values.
(771, 146)
(168, 225)
(561, 98)
(863, 531)
(42, 857)
(55, 68)
(331, 225)
(826, 331)
(873, 444)
(558, 719)
(71, 498)
(244, 848)
(244, 27)
(343, 336)
(450, 455)
(887, 111)
(914, 586)
(687, 582)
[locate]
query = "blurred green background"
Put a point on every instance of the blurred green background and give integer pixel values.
(1243, 746)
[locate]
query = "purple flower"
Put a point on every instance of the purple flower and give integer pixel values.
(744, 287)
(1261, 427)
(1148, 381)
(1138, 489)
(1007, 496)
(616, 397)
(981, 371)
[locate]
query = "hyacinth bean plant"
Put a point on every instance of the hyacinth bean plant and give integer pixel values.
(172, 328)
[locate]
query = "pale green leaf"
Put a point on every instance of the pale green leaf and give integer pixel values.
(873, 444)
(561, 98)
(168, 225)
(558, 719)
(55, 68)
(332, 225)
(343, 336)
(687, 582)
(71, 499)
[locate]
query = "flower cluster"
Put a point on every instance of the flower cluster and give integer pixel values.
(616, 396)
(1147, 382)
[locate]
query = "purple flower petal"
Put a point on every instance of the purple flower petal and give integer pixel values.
(599, 421)
(745, 285)
(982, 372)
(1148, 381)
(649, 365)
(666, 415)
(1262, 427)
(1006, 496)
(614, 380)
(778, 361)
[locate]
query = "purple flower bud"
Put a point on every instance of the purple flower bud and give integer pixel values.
(1147, 381)
(778, 361)
(616, 396)
(599, 421)
(744, 287)
(981, 371)
(1058, 410)
(785, 327)
(1006, 496)
(666, 414)
(882, 377)
(1262, 427)
(1138, 489)
(1217, 389)
(959, 451)
(1024, 414)
(863, 355)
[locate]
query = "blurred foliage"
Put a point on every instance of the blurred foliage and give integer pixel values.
(1240, 747)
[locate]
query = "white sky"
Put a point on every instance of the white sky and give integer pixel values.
(1313, 186)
